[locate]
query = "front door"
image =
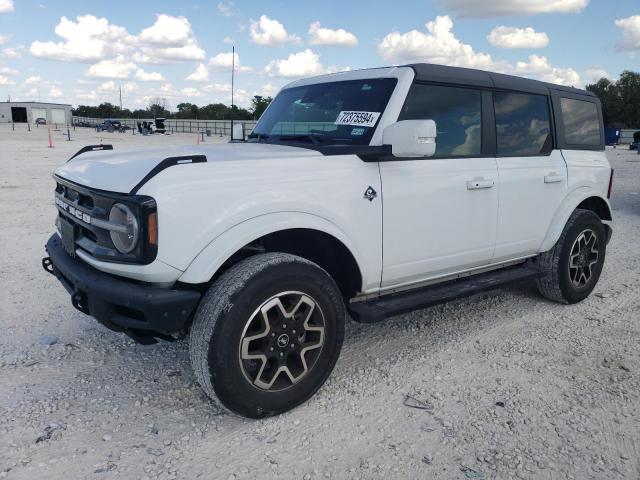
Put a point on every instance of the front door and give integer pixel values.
(440, 213)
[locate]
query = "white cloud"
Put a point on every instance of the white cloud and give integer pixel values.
(33, 79)
(217, 87)
(222, 62)
(55, 92)
(87, 39)
(4, 39)
(4, 80)
(267, 90)
(116, 68)
(148, 76)
(90, 39)
(227, 8)
(298, 64)
(595, 73)
(514, 37)
(168, 31)
(201, 74)
(496, 8)
(6, 6)
(228, 40)
(539, 67)
(630, 27)
(8, 71)
(270, 33)
(191, 92)
(169, 54)
(13, 52)
(437, 46)
(325, 36)
(440, 46)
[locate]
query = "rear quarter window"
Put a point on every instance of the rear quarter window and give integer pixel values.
(581, 122)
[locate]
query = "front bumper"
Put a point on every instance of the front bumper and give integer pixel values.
(141, 311)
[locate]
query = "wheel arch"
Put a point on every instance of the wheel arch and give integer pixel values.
(302, 234)
(583, 197)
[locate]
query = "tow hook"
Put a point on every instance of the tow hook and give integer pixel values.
(47, 265)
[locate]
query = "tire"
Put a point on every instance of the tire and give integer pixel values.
(229, 334)
(562, 280)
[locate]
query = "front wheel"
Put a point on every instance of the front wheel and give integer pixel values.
(267, 334)
(573, 266)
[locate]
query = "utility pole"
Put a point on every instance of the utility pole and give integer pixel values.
(233, 68)
(120, 88)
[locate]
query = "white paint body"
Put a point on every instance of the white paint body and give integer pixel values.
(432, 217)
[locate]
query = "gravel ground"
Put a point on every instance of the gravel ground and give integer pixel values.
(501, 385)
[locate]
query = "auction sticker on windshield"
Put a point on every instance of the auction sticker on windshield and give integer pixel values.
(357, 119)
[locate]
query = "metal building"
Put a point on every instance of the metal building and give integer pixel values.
(23, 112)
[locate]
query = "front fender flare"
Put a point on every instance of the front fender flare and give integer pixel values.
(564, 211)
(212, 257)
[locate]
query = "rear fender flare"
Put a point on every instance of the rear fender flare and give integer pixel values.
(564, 211)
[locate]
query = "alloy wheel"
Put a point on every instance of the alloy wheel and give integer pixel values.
(282, 341)
(583, 257)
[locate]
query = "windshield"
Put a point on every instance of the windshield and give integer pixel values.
(342, 113)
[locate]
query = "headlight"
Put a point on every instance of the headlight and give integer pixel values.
(126, 240)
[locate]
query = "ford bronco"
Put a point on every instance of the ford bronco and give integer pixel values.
(361, 194)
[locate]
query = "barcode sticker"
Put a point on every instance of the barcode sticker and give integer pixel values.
(357, 119)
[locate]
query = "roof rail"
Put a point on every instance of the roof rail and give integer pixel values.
(91, 148)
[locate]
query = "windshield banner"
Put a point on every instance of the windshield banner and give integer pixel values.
(357, 119)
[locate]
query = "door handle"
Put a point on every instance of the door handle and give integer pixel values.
(479, 183)
(553, 177)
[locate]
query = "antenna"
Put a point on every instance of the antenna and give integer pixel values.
(233, 68)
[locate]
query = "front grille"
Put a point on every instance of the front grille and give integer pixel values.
(97, 204)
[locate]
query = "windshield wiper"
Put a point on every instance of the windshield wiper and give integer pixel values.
(259, 136)
(311, 137)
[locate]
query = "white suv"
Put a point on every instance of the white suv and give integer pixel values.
(367, 193)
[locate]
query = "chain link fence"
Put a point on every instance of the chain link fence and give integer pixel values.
(174, 125)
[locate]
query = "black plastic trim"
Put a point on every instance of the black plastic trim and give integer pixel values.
(166, 163)
(91, 148)
(395, 304)
(120, 305)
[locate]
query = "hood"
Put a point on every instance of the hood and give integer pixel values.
(121, 170)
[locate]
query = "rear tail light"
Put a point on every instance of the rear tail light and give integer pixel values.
(610, 184)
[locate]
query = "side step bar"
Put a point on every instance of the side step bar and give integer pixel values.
(378, 309)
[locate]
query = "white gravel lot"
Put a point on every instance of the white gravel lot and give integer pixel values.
(508, 385)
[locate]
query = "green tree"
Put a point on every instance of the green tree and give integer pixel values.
(258, 105)
(620, 99)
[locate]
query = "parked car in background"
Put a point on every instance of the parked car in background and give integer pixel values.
(635, 145)
(41, 121)
(158, 125)
(262, 249)
(110, 126)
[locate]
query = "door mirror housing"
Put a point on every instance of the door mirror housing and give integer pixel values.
(411, 138)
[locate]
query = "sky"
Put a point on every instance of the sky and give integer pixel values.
(83, 52)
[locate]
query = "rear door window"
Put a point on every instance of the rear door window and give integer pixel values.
(457, 113)
(522, 124)
(581, 123)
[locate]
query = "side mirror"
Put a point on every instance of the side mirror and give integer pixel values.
(411, 138)
(237, 133)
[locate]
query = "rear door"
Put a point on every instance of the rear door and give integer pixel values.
(533, 176)
(440, 213)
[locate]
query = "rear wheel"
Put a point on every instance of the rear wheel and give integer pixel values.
(267, 334)
(573, 266)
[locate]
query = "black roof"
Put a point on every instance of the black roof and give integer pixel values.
(428, 72)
